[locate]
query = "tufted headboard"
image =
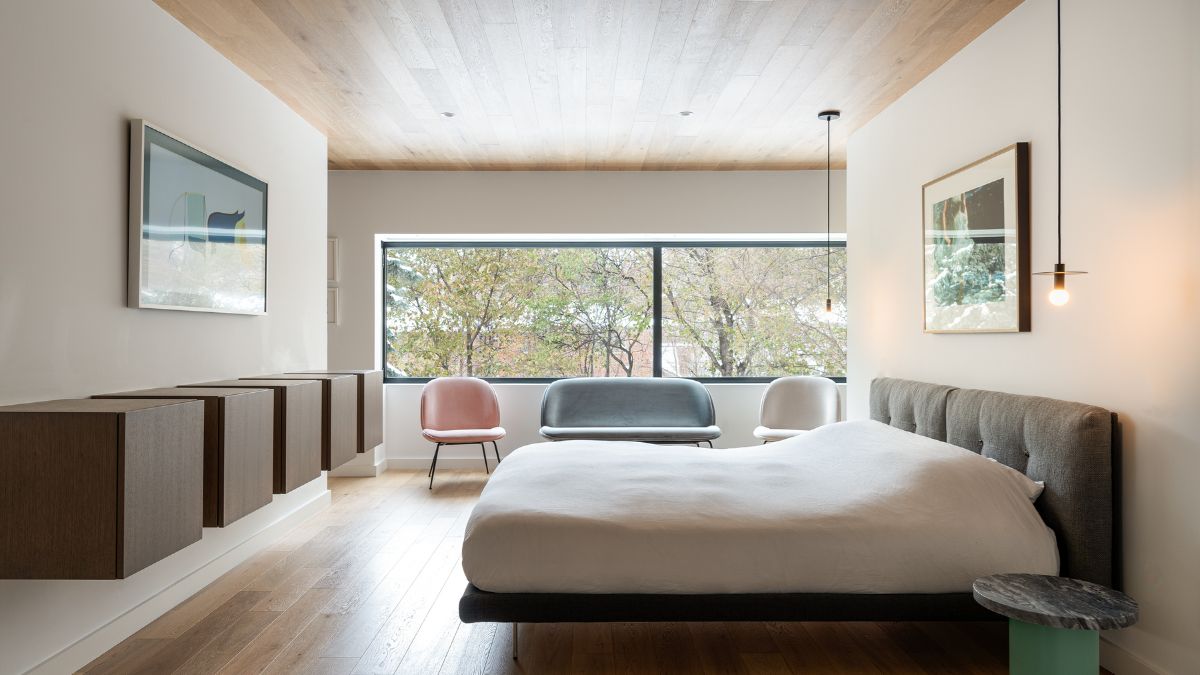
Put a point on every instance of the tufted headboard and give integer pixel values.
(1068, 445)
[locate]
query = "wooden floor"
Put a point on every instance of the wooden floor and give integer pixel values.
(371, 585)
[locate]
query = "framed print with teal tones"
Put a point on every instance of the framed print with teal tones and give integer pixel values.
(975, 244)
(197, 228)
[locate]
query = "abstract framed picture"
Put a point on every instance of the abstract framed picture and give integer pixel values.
(197, 228)
(975, 243)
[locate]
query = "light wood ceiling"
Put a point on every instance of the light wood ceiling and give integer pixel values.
(586, 84)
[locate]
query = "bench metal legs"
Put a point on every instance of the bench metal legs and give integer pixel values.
(482, 446)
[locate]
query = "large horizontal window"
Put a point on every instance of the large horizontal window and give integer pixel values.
(544, 310)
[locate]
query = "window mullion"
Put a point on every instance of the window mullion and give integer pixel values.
(658, 313)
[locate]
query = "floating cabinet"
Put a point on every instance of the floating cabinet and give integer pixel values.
(297, 425)
(98, 489)
(339, 415)
(238, 450)
(370, 404)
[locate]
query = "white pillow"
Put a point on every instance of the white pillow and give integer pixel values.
(1033, 488)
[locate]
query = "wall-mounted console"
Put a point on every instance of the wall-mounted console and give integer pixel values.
(98, 488)
(297, 424)
(339, 415)
(370, 404)
(238, 450)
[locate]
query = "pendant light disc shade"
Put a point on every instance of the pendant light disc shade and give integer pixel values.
(827, 115)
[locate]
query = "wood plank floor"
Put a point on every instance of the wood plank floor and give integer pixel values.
(371, 585)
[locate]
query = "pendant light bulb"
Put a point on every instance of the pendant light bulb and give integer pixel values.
(827, 315)
(1059, 295)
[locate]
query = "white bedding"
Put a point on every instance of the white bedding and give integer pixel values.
(854, 507)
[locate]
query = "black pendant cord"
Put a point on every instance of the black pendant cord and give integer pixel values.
(828, 208)
(1058, 42)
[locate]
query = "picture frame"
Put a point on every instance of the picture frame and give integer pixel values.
(333, 310)
(197, 228)
(333, 252)
(975, 224)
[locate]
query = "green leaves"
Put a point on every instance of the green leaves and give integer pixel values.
(561, 312)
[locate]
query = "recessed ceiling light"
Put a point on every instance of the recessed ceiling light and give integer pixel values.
(685, 113)
(447, 114)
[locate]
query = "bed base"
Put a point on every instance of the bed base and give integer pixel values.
(478, 606)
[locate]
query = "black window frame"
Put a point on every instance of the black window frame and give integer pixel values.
(656, 246)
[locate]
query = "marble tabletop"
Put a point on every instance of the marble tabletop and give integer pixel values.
(1056, 601)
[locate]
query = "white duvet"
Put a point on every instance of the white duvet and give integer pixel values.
(854, 507)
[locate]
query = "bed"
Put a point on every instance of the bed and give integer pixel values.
(722, 540)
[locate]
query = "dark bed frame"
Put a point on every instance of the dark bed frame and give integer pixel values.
(1071, 446)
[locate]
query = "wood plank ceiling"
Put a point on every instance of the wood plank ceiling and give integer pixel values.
(586, 84)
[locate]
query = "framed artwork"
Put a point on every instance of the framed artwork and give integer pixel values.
(333, 310)
(975, 243)
(332, 259)
(197, 228)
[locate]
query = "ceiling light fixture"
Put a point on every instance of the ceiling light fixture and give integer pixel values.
(685, 113)
(828, 116)
(447, 114)
(1058, 294)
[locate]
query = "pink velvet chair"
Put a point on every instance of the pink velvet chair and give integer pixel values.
(460, 411)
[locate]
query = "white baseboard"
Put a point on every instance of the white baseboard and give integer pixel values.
(259, 536)
(361, 467)
(1119, 661)
(456, 463)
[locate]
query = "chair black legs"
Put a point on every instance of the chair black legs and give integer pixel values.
(433, 465)
(482, 446)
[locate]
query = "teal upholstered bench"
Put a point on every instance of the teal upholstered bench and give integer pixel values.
(647, 409)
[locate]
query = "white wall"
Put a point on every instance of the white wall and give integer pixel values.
(1128, 339)
(366, 204)
(73, 72)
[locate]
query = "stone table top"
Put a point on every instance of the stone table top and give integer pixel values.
(1056, 601)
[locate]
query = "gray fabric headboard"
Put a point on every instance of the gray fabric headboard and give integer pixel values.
(1067, 445)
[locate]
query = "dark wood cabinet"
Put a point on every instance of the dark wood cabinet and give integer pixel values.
(98, 489)
(339, 415)
(297, 426)
(238, 450)
(370, 404)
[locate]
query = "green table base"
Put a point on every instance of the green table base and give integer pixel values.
(1045, 650)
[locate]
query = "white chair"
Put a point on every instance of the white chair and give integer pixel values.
(794, 405)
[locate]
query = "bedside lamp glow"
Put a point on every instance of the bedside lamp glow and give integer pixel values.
(1059, 295)
(827, 315)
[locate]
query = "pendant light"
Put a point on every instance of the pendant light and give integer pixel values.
(1058, 294)
(828, 116)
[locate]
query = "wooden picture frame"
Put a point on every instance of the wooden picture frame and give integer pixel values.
(975, 246)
